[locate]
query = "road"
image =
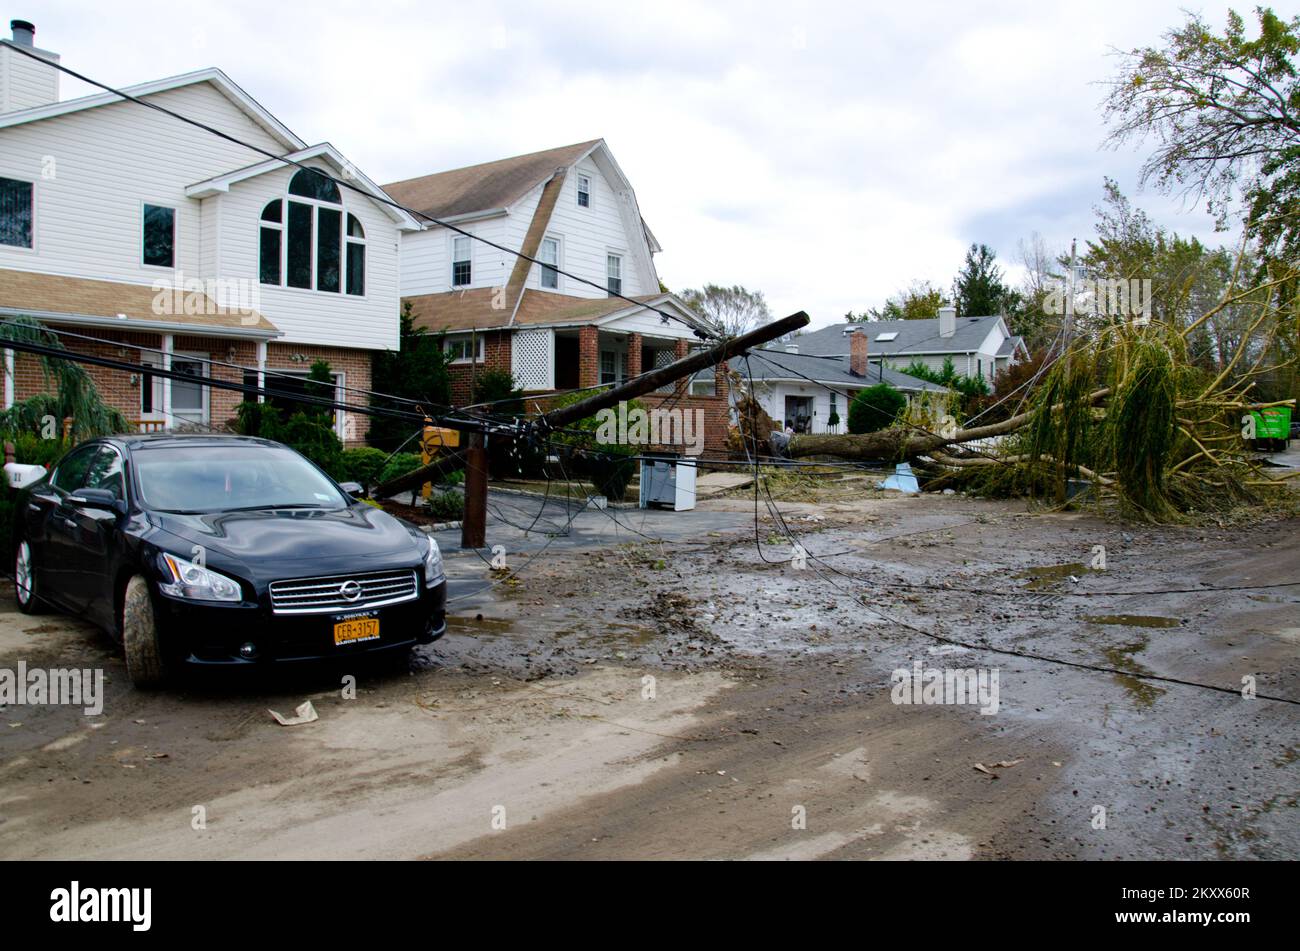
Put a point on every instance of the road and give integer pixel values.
(705, 697)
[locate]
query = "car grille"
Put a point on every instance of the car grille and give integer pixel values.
(325, 595)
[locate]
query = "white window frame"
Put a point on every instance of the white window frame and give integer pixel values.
(588, 178)
(451, 276)
(151, 363)
(205, 392)
(176, 235)
(35, 230)
(286, 198)
(463, 338)
(559, 263)
(611, 255)
(365, 259)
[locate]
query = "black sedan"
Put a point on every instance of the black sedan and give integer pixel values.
(222, 550)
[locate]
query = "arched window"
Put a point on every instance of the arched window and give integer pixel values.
(310, 183)
(356, 257)
(305, 245)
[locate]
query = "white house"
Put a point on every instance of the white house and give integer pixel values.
(811, 393)
(571, 208)
(124, 227)
(977, 346)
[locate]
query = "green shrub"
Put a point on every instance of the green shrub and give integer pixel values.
(611, 470)
(875, 408)
(400, 464)
(447, 506)
(363, 464)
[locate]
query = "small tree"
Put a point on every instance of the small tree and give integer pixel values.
(875, 408)
(417, 370)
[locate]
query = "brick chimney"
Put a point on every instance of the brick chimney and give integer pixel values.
(858, 353)
(26, 80)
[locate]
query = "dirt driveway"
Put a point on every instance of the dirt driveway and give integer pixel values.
(709, 699)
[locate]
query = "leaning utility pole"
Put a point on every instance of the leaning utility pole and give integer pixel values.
(474, 459)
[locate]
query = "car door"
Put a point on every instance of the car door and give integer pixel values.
(48, 525)
(94, 534)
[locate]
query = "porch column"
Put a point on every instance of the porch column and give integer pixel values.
(633, 355)
(261, 370)
(9, 379)
(168, 346)
(588, 357)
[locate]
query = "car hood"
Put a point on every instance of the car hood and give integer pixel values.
(264, 545)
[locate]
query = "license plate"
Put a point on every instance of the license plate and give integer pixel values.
(356, 630)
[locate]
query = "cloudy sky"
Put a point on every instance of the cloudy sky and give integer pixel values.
(824, 153)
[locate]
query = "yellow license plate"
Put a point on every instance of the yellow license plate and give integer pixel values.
(352, 632)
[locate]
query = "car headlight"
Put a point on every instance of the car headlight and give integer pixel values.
(185, 579)
(432, 563)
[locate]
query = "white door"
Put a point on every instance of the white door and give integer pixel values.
(189, 399)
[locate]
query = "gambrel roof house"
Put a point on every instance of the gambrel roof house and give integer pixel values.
(132, 229)
(571, 208)
(977, 346)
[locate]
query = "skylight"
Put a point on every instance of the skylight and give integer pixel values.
(886, 337)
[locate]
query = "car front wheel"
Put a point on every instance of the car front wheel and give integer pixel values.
(144, 660)
(25, 589)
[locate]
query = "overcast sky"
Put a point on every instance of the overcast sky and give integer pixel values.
(824, 153)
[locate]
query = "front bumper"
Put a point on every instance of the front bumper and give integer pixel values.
(207, 634)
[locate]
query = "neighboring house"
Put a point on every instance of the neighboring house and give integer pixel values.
(977, 346)
(127, 226)
(571, 208)
(805, 391)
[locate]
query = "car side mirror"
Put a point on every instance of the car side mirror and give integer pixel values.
(354, 489)
(97, 499)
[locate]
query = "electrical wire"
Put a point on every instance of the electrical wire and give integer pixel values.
(381, 198)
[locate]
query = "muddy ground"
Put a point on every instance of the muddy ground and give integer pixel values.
(705, 698)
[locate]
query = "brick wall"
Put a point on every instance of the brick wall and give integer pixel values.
(496, 356)
(588, 356)
(120, 391)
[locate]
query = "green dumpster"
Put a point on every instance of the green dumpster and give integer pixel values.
(1272, 428)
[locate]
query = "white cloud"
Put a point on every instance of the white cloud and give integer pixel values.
(825, 153)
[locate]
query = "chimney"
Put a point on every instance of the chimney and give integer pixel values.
(858, 353)
(26, 81)
(947, 321)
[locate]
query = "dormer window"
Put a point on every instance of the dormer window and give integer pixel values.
(304, 245)
(584, 191)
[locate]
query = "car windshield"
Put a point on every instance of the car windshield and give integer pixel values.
(222, 478)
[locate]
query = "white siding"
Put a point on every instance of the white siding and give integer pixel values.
(310, 316)
(108, 161)
(426, 265)
(24, 82)
(590, 233)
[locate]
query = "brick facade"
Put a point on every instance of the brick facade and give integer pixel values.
(122, 390)
(496, 356)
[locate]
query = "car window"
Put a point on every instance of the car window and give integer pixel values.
(71, 471)
(105, 472)
(214, 478)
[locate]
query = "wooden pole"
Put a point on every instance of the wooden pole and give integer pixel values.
(473, 526)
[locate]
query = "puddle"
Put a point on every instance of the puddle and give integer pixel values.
(478, 626)
(1143, 692)
(1048, 575)
(1134, 620)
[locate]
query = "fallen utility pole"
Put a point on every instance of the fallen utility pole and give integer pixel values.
(647, 382)
(410, 481)
(473, 527)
